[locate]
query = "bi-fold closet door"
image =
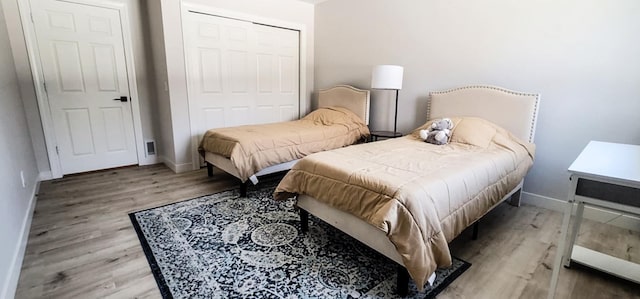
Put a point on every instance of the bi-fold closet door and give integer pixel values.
(239, 72)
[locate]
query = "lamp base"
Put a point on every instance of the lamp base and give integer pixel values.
(375, 135)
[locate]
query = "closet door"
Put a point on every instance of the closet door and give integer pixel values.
(239, 73)
(277, 78)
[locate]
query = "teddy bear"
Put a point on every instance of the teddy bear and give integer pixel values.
(439, 131)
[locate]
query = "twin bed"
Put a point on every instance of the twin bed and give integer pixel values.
(408, 199)
(248, 152)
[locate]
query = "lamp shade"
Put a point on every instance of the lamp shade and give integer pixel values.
(387, 77)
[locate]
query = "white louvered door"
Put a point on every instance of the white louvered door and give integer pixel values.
(83, 61)
(239, 73)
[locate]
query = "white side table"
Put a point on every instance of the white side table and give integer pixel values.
(605, 175)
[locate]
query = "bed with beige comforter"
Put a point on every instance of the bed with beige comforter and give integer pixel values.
(254, 147)
(421, 195)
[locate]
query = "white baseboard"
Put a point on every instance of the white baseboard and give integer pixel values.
(177, 168)
(45, 176)
(150, 160)
(596, 214)
(11, 284)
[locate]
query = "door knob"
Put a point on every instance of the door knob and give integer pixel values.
(121, 99)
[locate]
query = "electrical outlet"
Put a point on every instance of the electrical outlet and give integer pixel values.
(24, 184)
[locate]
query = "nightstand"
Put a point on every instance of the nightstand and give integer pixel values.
(384, 134)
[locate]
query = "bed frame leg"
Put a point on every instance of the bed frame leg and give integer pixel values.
(209, 169)
(243, 189)
(304, 220)
(515, 198)
(476, 227)
(403, 281)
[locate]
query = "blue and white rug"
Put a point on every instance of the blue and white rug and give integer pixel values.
(226, 246)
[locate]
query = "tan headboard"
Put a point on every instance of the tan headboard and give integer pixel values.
(354, 99)
(512, 110)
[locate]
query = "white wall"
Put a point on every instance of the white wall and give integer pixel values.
(159, 73)
(168, 46)
(582, 56)
(25, 82)
(16, 155)
(144, 71)
(145, 84)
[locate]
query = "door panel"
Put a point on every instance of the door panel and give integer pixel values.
(67, 59)
(288, 111)
(288, 74)
(211, 70)
(217, 68)
(239, 73)
(116, 135)
(83, 60)
(278, 59)
(106, 69)
(79, 123)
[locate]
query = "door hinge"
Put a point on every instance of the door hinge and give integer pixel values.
(57, 151)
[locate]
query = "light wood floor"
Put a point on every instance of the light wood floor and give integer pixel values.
(82, 243)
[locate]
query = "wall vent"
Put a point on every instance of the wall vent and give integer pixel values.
(151, 147)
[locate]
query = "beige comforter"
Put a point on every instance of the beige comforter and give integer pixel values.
(254, 147)
(421, 195)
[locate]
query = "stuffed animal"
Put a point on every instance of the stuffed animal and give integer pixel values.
(439, 131)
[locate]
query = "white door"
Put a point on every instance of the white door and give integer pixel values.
(83, 60)
(277, 78)
(239, 73)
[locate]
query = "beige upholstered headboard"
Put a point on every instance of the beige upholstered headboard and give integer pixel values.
(512, 110)
(354, 99)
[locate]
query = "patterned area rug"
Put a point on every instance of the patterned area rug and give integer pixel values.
(225, 246)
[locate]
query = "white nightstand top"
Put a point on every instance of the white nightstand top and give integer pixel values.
(609, 161)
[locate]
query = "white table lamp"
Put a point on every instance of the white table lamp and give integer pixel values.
(388, 77)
